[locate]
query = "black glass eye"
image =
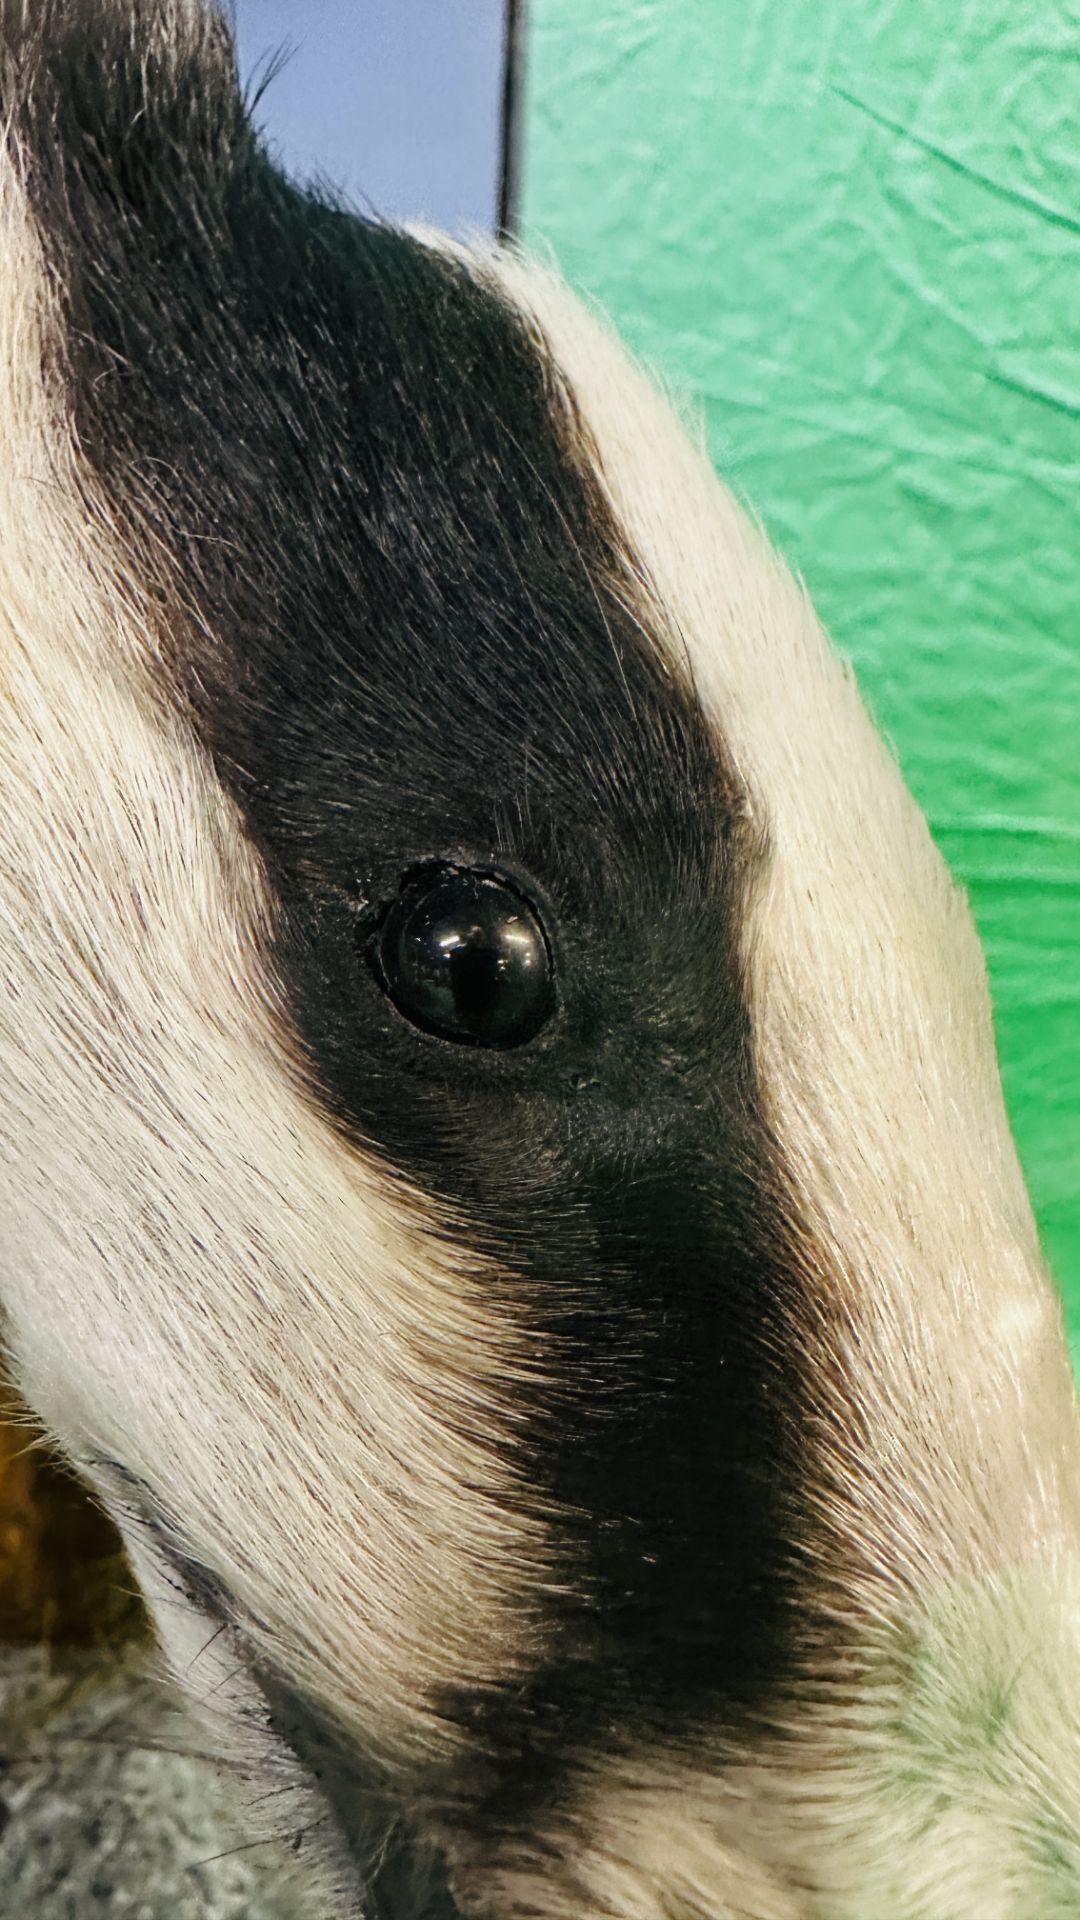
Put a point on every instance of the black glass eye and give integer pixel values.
(461, 954)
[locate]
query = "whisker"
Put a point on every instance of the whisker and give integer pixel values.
(249, 1846)
(205, 1648)
(34, 1755)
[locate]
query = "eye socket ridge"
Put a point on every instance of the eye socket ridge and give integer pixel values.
(463, 954)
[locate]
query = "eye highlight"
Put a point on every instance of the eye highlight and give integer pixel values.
(463, 955)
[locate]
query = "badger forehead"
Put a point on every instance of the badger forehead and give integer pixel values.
(531, 1402)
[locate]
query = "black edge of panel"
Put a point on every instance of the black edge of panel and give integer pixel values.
(508, 214)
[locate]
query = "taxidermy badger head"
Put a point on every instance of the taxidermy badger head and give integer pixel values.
(504, 1188)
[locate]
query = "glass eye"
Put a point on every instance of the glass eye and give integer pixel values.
(461, 954)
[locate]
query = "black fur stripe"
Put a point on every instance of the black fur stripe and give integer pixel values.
(376, 502)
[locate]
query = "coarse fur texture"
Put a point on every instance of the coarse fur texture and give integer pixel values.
(629, 1476)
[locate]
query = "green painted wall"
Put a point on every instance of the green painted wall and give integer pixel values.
(852, 227)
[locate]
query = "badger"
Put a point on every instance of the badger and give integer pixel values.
(505, 1194)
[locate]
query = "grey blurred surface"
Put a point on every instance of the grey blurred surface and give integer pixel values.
(398, 101)
(108, 1809)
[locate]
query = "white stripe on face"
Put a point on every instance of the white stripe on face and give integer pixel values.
(872, 1022)
(944, 1543)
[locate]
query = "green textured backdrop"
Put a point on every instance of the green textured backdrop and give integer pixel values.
(852, 228)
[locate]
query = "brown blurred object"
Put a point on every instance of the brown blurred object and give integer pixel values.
(63, 1574)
